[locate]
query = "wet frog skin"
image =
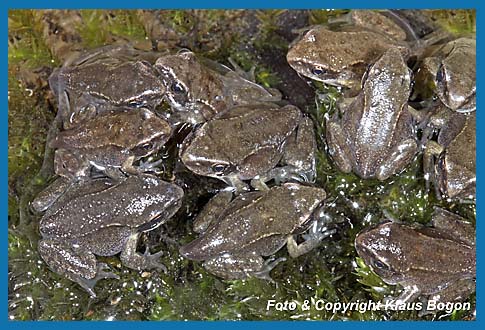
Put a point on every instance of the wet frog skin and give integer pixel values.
(338, 58)
(249, 142)
(450, 162)
(104, 78)
(99, 217)
(438, 262)
(238, 233)
(375, 137)
(198, 90)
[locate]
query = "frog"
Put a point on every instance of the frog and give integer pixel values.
(339, 58)
(450, 161)
(447, 71)
(384, 22)
(198, 89)
(375, 135)
(438, 262)
(105, 77)
(102, 217)
(110, 142)
(236, 233)
(456, 75)
(249, 142)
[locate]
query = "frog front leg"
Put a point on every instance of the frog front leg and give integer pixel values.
(75, 263)
(400, 154)
(241, 266)
(338, 147)
(134, 260)
(50, 194)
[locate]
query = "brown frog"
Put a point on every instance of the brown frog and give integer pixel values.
(235, 235)
(438, 261)
(198, 89)
(104, 78)
(339, 58)
(110, 141)
(450, 161)
(248, 142)
(375, 136)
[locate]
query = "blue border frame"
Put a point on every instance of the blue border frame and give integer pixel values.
(234, 4)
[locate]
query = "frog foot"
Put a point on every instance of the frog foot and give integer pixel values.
(134, 260)
(248, 75)
(152, 261)
(88, 284)
(267, 268)
(279, 175)
(317, 233)
(151, 166)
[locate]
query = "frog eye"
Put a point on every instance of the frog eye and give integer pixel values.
(380, 265)
(177, 88)
(218, 169)
(146, 146)
(440, 75)
(318, 71)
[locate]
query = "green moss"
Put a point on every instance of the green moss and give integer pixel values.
(458, 22)
(26, 44)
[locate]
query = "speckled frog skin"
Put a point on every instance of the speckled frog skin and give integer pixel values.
(98, 217)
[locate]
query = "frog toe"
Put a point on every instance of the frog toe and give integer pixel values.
(88, 284)
(153, 260)
(267, 267)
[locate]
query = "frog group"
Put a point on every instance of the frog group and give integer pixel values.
(263, 148)
(374, 135)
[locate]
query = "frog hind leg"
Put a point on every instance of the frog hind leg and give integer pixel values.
(458, 291)
(338, 147)
(134, 260)
(79, 266)
(431, 152)
(241, 266)
(454, 224)
(400, 155)
(212, 210)
(318, 231)
(299, 152)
